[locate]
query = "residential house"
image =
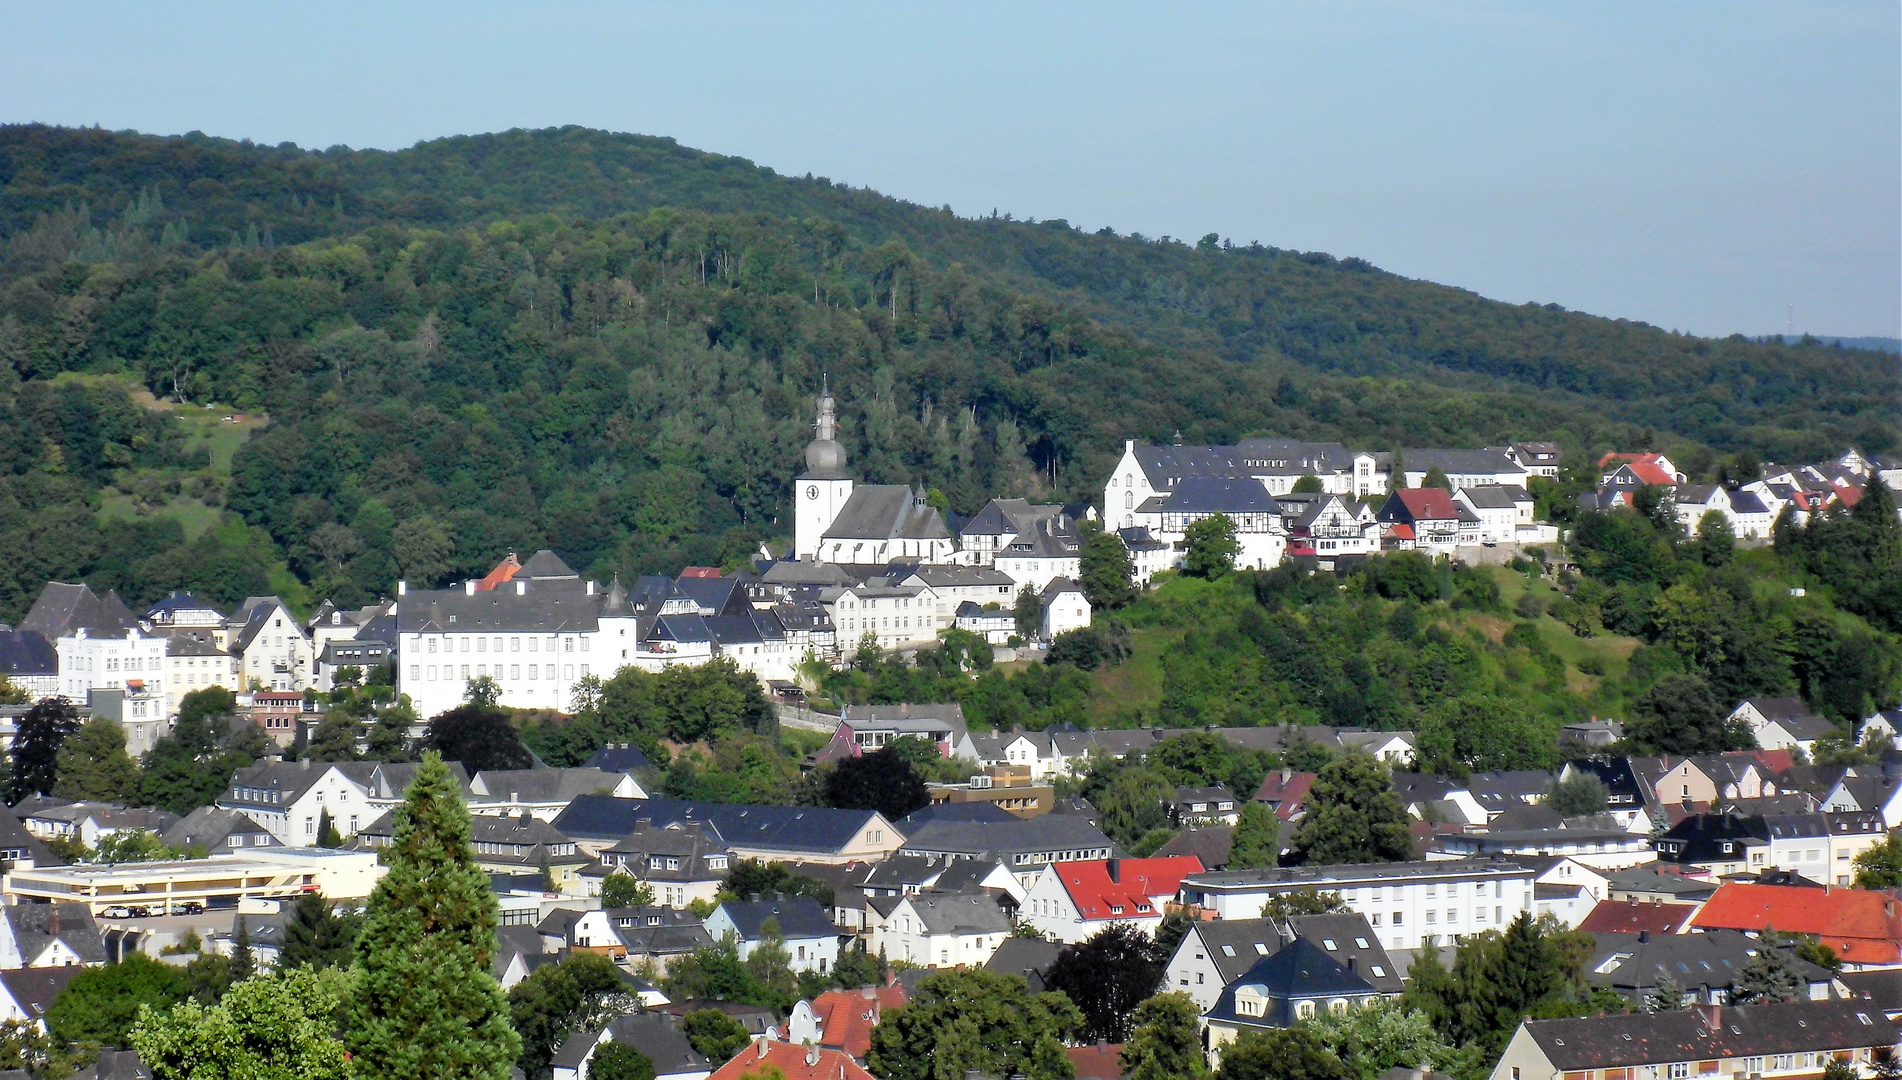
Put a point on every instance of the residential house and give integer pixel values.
(842, 1020)
(619, 758)
(1505, 513)
(1878, 794)
(1146, 553)
(656, 1035)
(872, 727)
(1329, 527)
(939, 929)
(49, 936)
(1051, 548)
(1640, 469)
(750, 831)
(807, 935)
(1408, 904)
(271, 646)
(952, 587)
(1072, 901)
(656, 937)
(1214, 954)
(1064, 606)
(1428, 520)
(1597, 841)
(290, 798)
(1656, 884)
(1751, 517)
(544, 792)
(1297, 983)
(790, 1061)
(1204, 806)
(989, 531)
(1864, 927)
(1783, 723)
(994, 624)
(1028, 957)
(1462, 468)
(1537, 458)
(1786, 1039)
(1285, 792)
(30, 662)
(90, 822)
(682, 863)
(521, 843)
(26, 993)
(1704, 966)
(213, 829)
(1822, 847)
(905, 874)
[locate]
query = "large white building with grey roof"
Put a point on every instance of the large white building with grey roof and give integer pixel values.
(838, 520)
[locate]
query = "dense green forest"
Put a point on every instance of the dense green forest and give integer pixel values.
(609, 344)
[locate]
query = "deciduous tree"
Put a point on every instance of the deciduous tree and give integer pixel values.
(1210, 547)
(281, 1025)
(93, 764)
(42, 731)
(1166, 1043)
(1353, 816)
(968, 1019)
(1107, 976)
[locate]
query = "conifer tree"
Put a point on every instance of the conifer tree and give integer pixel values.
(426, 1007)
(1257, 839)
(316, 936)
(244, 963)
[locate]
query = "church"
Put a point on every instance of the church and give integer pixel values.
(839, 520)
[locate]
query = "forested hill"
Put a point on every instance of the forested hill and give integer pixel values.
(609, 343)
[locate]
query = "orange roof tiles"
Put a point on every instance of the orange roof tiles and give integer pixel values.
(1434, 504)
(1862, 925)
(847, 1017)
(796, 1062)
(1126, 895)
(1099, 1062)
(504, 571)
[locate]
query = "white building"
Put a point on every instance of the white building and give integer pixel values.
(100, 645)
(1071, 901)
(960, 929)
(898, 616)
(1065, 608)
(1409, 905)
(1146, 471)
(1505, 511)
(1463, 468)
(839, 520)
(272, 649)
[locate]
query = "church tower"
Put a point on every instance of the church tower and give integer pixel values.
(822, 490)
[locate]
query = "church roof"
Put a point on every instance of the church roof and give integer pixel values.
(887, 512)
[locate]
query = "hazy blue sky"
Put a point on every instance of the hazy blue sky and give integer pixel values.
(1701, 166)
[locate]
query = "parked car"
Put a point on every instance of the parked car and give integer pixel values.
(188, 907)
(116, 911)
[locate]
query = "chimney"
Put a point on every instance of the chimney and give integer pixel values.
(1712, 1015)
(402, 588)
(1115, 870)
(590, 588)
(1353, 962)
(1644, 937)
(303, 763)
(468, 587)
(761, 1046)
(521, 587)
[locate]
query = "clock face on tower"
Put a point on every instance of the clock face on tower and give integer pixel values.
(812, 491)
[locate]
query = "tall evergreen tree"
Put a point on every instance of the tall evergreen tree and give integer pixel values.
(1770, 975)
(1257, 839)
(244, 963)
(36, 745)
(93, 764)
(317, 936)
(426, 1007)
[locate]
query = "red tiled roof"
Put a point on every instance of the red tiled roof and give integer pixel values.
(1647, 467)
(1847, 495)
(797, 1062)
(847, 1017)
(1096, 896)
(1862, 925)
(1428, 503)
(1628, 917)
(700, 572)
(504, 570)
(1288, 796)
(1099, 1062)
(1400, 532)
(1776, 761)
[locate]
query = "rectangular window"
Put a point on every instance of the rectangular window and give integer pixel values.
(465, 673)
(1680, 1070)
(432, 673)
(569, 673)
(430, 645)
(482, 644)
(531, 667)
(515, 644)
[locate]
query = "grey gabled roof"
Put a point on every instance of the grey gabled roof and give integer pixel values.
(35, 926)
(791, 829)
(797, 917)
(1029, 957)
(210, 827)
(540, 785)
(961, 913)
(178, 600)
(1495, 496)
(887, 512)
(1235, 945)
(656, 1036)
(27, 653)
(1711, 958)
(1688, 1035)
(1455, 462)
(64, 608)
(544, 606)
(1221, 495)
(1049, 833)
(619, 758)
(1350, 941)
(545, 565)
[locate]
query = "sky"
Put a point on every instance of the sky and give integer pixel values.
(1706, 167)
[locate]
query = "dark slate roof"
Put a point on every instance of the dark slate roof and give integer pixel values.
(1688, 1035)
(1029, 957)
(1453, 462)
(1350, 941)
(619, 757)
(787, 828)
(1235, 945)
(35, 926)
(1633, 963)
(1051, 832)
(970, 912)
(887, 511)
(540, 785)
(1210, 495)
(1881, 988)
(1299, 970)
(178, 600)
(1747, 502)
(1495, 496)
(545, 565)
(26, 653)
(798, 917)
(62, 608)
(34, 989)
(545, 606)
(14, 837)
(190, 642)
(712, 596)
(211, 827)
(654, 1034)
(1211, 844)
